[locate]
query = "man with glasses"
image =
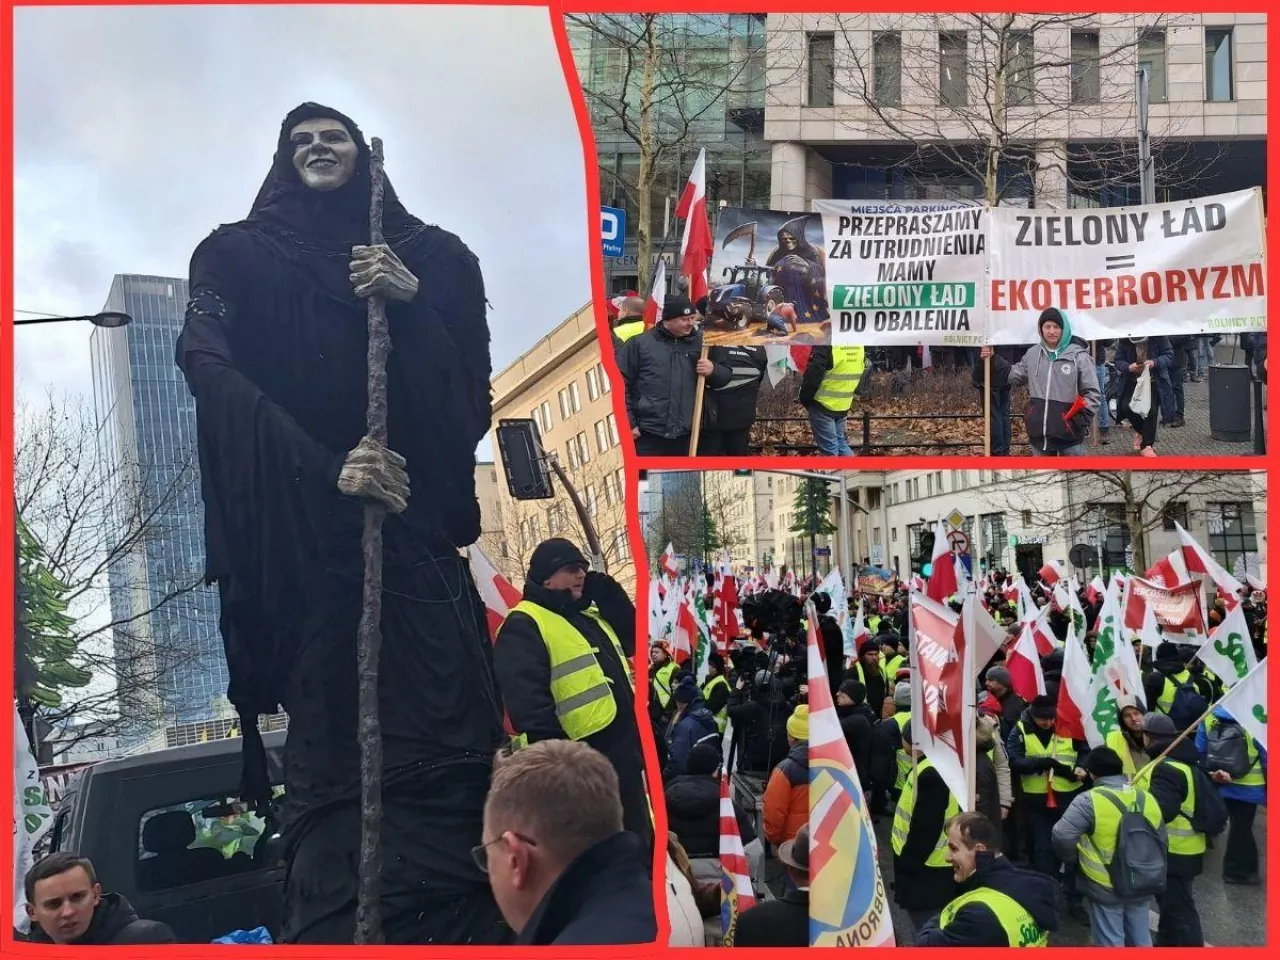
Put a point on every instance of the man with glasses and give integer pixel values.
(563, 663)
(562, 868)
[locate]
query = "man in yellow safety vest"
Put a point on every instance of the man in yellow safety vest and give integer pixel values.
(999, 905)
(830, 381)
(562, 659)
(716, 690)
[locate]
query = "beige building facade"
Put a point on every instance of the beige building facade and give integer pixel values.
(562, 385)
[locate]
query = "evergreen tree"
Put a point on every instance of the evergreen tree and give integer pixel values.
(812, 508)
(46, 644)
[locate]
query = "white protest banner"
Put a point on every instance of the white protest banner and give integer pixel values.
(32, 817)
(906, 278)
(1194, 266)
(838, 207)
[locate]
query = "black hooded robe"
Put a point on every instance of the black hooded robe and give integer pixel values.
(274, 351)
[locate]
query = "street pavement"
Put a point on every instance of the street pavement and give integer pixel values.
(1231, 916)
(1194, 439)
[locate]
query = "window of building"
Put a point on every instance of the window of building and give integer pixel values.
(619, 484)
(953, 69)
(893, 534)
(603, 378)
(621, 546)
(1218, 68)
(564, 404)
(602, 436)
(227, 838)
(1173, 513)
(571, 449)
(1084, 66)
(1026, 518)
(822, 70)
(1152, 56)
(886, 67)
(1020, 81)
(584, 448)
(547, 423)
(592, 501)
(612, 422)
(928, 482)
(1233, 536)
(575, 398)
(938, 480)
(593, 385)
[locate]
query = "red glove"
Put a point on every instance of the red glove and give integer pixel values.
(1076, 407)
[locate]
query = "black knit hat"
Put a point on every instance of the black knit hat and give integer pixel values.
(1050, 315)
(550, 555)
(677, 305)
(1044, 708)
(1104, 762)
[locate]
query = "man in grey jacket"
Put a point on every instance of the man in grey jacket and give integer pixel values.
(661, 368)
(1087, 833)
(1062, 387)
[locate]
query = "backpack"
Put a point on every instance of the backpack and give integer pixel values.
(1227, 748)
(1139, 868)
(1188, 706)
(1210, 814)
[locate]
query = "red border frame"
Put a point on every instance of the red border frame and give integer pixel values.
(555, 11)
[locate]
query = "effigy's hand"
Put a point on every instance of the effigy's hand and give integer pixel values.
(372, 472)
(377, 271)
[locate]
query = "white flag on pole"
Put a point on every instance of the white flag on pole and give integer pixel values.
(1247, 701)
(32, 817)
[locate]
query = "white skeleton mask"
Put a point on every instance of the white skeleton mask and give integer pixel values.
(324, 154)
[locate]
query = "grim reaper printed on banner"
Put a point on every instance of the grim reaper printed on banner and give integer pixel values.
(274, 351)
(798, 268)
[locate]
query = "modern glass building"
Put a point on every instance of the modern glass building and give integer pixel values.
(168, 651)
(708, 91)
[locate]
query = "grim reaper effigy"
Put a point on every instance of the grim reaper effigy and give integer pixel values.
(274, 350)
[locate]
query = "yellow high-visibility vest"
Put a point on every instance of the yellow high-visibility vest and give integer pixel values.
(841, 382)
(721, 715)
(901, 757)
(902, 818)
(1016, 921)
(583, 696)
(1097, 849)
(625, 331)
(1062, 750)
(662, 683)
(1255, 777)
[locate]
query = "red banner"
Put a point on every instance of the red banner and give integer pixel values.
(1177, 609)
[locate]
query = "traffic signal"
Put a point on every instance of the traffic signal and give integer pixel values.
(926, 543)
(927, 570)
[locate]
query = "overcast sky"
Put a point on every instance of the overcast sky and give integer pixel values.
(140, 129)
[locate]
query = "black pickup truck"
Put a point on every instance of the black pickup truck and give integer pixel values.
(167, 830)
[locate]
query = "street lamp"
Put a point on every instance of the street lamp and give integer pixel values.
(108, 318)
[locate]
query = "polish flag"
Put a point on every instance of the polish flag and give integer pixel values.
(495, 590)
(1052, 572)
(736, 892)
(860, 631)
(1023, 665)
(1198, 560)
(685, 643)
(1074, 690)
(800, 357)
(1169, 572)
(727, 626)
(1095, 590)
(917, 584)
(657, 296)
(668, 562)
(1041, 635)
(697, 245)
(942, 579)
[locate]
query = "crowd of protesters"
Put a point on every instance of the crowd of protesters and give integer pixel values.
(1071, 384)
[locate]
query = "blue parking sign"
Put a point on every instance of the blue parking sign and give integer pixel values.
(613, 230)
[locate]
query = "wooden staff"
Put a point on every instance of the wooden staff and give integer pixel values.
(368, 927)
(986, 405)
(698, 396)
(1150, 767)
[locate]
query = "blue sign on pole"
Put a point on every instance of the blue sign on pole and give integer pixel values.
(613, 230)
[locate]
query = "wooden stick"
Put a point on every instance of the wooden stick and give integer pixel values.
(986, 405)
(368, 928)
(1178, 739)
(697, 407)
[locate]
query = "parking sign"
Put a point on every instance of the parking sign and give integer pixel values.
(613, 230)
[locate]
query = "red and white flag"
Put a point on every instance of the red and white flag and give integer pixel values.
(1198, 560)
(860, 631)
(942, 677)
(1093, 593)
(668, 562)
(942, 577)
(1074, 690)
(696, 246)
(736, 892)
(727, 625)
(657, 296)
(1023, 664)
(495, 590)
(1041, 635)
(1052, 572)
(917, 584)
(1170, 571)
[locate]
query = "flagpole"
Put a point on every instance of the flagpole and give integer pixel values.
(986, 405)
(697, 406)
(1182, 736)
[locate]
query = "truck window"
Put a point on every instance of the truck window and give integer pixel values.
(204, 839)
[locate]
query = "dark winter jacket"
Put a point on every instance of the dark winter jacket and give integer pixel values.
(974, 925)
(605, 896)
(661, 382)
(523, 669)
(733, 405)
(783, 922)
(916, 886)
(695, 725)
(1169, 787)
(1012, 707)
(856, 726)
(1020, 765)
(833, 647)
(1052, 387)
(114, 922)
(693, 814)
(1158, 349)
